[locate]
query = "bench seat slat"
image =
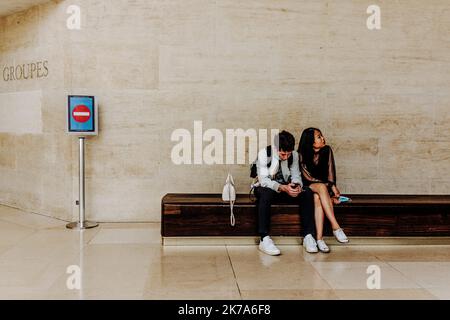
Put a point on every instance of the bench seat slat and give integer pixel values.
(367, 215)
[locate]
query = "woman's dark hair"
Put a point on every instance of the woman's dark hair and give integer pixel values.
(305, 147)
(285, 141)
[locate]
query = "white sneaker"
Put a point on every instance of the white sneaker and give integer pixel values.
(340, 236)
(267, 246)
(323, 246)
(310, 244)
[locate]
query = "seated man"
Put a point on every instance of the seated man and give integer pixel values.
(279, 180)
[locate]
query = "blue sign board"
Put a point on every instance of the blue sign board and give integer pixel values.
(82, 115)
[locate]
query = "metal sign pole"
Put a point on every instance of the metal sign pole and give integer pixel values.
(81, 184)
(82, 224)
(81, 264)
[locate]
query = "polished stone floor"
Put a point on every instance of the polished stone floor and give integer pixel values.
(127, 261)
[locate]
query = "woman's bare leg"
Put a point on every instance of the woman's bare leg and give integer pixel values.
(320, 217)
(327, 204)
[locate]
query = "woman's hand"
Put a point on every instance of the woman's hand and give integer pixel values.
(336, 200)
(336, 191)
(337, 195)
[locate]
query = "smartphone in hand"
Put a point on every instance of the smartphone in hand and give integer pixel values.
(294, 185)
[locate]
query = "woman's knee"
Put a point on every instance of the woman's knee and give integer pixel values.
(321, 188)
(316, 198)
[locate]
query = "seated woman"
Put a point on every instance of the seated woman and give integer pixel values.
(319, 173)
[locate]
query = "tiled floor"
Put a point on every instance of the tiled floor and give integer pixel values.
(127, 261)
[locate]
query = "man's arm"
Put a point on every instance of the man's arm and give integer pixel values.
(295, 170)
(263, 172)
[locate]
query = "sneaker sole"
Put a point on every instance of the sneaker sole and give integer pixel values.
(269, 253)
(311, 251)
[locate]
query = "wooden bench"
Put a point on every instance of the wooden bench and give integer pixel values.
(206, 215)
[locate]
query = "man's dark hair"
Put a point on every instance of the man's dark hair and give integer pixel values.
(285, 141)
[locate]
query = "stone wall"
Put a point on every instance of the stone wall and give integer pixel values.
(381, 97)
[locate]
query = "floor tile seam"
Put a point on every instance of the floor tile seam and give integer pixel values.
(234, 272)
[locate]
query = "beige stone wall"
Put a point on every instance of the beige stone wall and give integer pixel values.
(381, 97)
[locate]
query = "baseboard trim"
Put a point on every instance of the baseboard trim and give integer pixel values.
(354, 241)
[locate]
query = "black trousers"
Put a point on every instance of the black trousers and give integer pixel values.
(266, 197)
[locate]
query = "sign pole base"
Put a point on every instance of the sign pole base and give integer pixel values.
(86, 225)
(82, 224)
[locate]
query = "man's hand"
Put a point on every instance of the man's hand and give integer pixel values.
(290, 190)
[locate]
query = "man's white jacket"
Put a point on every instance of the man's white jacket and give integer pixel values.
(267, 174)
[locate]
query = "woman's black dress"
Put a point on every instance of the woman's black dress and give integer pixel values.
(322, 170)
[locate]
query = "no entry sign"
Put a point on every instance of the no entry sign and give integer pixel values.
(82, 115)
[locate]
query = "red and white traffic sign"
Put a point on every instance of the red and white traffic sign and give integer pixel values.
(81, 113)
